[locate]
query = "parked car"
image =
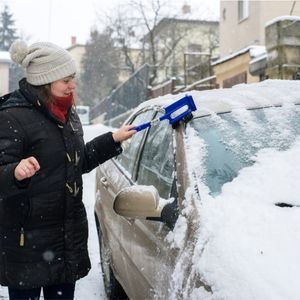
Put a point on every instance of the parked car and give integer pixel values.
(206, 209)
(83, 112)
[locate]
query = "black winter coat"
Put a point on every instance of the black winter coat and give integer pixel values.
(47, 209)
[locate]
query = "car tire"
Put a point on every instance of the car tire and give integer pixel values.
(113, 289)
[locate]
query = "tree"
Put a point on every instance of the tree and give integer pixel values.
(7, 30)
(7, 36)
(141, 28)
(129, 23)
(100, 68)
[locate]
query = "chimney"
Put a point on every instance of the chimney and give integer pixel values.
(186, 9)
(73, 40)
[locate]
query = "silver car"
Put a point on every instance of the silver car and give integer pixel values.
(149, 200)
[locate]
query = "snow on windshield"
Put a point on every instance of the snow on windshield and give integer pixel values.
(246, 246)
(231, 140)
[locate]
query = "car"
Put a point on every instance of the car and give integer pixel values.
(83, 112)
(206, 208)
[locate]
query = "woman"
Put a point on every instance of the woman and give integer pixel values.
(43, 224)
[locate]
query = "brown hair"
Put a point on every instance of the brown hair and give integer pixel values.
(46, 92)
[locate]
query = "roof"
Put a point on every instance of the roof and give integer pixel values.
(282, 18)
(164, 22)
(75, 46)
(249, 96)
(254, 51)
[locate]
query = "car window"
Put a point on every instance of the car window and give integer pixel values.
(157, 160)
(228, 142)
(128, 158)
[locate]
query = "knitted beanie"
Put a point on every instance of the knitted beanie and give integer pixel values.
(43, 62)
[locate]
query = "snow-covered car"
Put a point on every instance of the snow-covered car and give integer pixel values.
(207, 209)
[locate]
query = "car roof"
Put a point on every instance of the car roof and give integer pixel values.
(250, 96)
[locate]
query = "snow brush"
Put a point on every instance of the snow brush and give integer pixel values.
(179, 110)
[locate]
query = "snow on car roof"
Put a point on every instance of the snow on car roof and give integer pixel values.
(249, 96)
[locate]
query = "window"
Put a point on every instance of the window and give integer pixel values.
(231, 140)
(128, 158)
(243, 9)
(194, 48)
(157, 161)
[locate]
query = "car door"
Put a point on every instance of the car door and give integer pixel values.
(141, 259)
(148, 248)
(111, 177)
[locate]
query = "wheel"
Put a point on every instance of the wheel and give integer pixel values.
(113, 288)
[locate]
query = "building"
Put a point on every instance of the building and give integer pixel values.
(243, 57)
(4, 72)
(245, 20)
(185, 47)
(77, 51)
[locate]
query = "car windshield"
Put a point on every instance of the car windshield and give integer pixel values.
(226, 143)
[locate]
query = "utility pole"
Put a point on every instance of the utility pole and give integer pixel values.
(50, 20)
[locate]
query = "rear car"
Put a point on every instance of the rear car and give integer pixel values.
(196, 210)
(83, 112)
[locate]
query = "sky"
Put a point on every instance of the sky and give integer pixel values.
(58, 20)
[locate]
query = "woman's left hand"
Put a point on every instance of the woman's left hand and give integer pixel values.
(124, 133)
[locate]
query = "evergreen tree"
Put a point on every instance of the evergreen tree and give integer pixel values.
(7, 30)
(100, 68)
(7, 36)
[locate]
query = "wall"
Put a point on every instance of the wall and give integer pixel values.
(4, 72)
(77, 51)
(192, 32)
(233, 71)
(235, 34)
(4, 79)
(283, 46)
(250, 31)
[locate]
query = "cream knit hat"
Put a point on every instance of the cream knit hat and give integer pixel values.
(43, 62)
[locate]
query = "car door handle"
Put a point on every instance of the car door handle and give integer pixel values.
(104, 181)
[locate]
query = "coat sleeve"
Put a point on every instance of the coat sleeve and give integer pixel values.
(11, 152)
(99, 150)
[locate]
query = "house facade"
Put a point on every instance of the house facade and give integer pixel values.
(77, 51)
(185, 47)
(244, 27)
(4, 72)
(245, 20)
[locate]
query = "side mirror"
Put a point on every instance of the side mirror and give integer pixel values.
(141, 202)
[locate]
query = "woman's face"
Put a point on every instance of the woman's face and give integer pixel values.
(63, 87)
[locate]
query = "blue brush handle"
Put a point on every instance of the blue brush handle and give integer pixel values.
(142, 126)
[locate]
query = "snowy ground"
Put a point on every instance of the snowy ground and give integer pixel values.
(90, 287)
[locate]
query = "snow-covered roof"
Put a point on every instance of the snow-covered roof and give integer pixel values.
(258, 58)
(262, 94)
(254, 51)
(4, 57)
(282, 18)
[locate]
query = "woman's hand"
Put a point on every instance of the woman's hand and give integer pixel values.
(123, 133)
(26, 168)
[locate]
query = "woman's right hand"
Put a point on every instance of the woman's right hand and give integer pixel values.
(26, 168)
(124, 133)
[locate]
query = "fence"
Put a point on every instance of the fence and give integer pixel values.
(127, 96)
(115, 108)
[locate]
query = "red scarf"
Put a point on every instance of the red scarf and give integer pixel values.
(60, 106)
